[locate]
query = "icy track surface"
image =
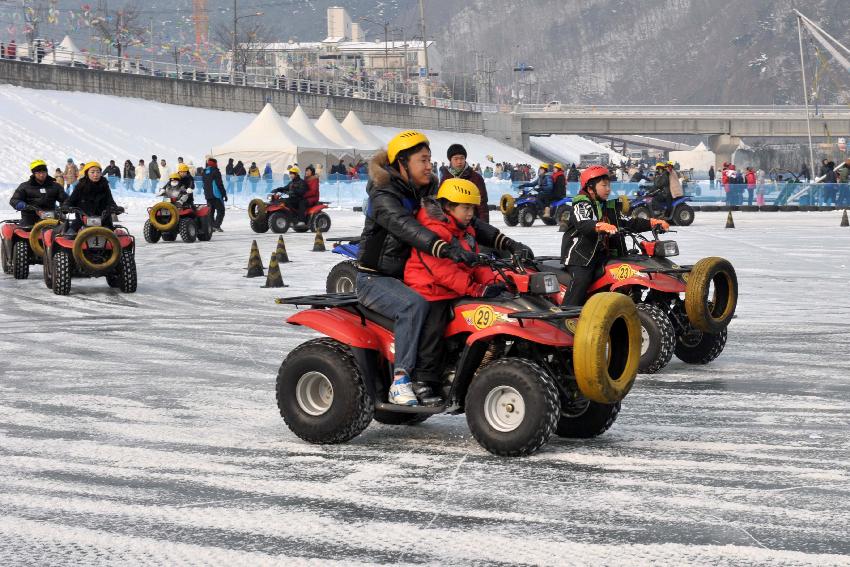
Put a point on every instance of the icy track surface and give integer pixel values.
(143, 428)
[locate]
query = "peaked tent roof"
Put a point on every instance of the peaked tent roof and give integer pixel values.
(356, 128)
(301, 123)
(328, 125)
(66, 51)
(268, 138)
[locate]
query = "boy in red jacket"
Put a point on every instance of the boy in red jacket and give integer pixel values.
(441, 280)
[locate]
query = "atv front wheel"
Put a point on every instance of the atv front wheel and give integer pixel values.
(169, 236)
(7, 261)
(342, 278)
(321, 223)
(127, 278)
(320, 393)
(683, 215)
(696, 347)
(512, 407)
(658, 338)
(260, 226)
(586, 419)
(205, 231)
(188, 230)
(526, 216)
(152, 235)
(21, 260)
(278, 222)
(46, 269)
(63, 264)
(511, 219)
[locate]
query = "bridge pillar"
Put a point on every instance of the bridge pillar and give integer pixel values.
(723, 146)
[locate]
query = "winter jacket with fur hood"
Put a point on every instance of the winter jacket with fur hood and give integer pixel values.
(440, 278)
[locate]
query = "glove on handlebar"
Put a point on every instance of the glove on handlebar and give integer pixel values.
(456, 253)
(606, 227)
(489, 291)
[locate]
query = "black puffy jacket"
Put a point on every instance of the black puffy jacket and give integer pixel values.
(45, 196)
(581, 244)
(93, 198)
(391, 228)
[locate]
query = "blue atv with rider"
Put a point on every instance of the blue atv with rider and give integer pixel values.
(524, 209)
(679, 212)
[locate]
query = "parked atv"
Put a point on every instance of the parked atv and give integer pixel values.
(167, 219)
(95, 251)
(276, 215)
(679, 213)
(684, 310)
(518, 367)
(525, 208)
(21, 246)
(343, 276)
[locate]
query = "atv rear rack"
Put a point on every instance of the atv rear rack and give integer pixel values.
(562, 313)
(323, 300)
(349, 239)
(679, 270)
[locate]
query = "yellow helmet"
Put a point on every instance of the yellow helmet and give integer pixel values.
(182, 167)
(404, 141)
(174, 176)
(660, 164)
(559, 166)
(294, 169)
(88, 166)
(38, 163)
(456, 190)
(671, 163)
(544, 166)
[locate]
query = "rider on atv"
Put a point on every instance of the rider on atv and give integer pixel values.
(398, 179)
(543, 184)
(39, 192)
(296, 190)
(175, 190)
(593, 221)
(185, 177)
(661, 188)
(93, 196)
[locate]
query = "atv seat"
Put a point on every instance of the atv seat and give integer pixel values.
(557, 268)
(372, 316)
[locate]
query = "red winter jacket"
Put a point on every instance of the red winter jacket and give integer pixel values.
(750, 178)
(312, 194)
(440, 278)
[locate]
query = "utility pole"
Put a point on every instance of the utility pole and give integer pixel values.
(233, 47)
(805, 93)
(425, 48)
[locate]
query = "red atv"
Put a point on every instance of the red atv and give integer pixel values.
(518, 367)
(684, 310)
(21, 246)
(93, 252)
(277, 216)
(167, 219)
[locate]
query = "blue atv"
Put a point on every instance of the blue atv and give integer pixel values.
(524, 208)
(343, 277)
(679, 213)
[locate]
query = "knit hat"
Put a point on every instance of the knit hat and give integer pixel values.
(456, 149)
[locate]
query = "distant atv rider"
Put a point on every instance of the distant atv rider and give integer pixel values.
(40, 191)
(594, 221)
(296, 190)
(175, 189)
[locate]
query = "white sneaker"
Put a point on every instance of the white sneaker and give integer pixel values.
(401, 391)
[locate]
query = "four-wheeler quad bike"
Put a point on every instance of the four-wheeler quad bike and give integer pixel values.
(684, 310)
(21, 246)
(277, 216)
(167, 219)
(679, 213)
(525, 208)
(94, 251)
(343, 276)
(520, 368)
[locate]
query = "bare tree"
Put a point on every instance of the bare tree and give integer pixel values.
(251, 43)
(120, 27)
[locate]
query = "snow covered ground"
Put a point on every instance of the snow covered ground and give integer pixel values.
(143, 428)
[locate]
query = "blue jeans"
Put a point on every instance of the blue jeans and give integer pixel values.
(394, 300)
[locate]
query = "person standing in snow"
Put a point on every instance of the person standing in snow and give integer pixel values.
(141, 176)
(459, 168)
(240, 173)
(268, 175)
(711, 177)
(71, 174)
(154, 174)
(129, 174)
(112, 174)
(164, 170)
(214, 192)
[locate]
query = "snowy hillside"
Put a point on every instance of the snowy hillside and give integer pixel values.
(55, 125)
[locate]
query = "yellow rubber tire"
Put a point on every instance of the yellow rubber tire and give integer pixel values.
(625, 205)
(606, 352)
(715, 276)
(86, 264)
(257, 210)
(507, 204)
(35, 235)
(173, 219)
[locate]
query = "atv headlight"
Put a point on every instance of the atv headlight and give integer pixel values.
(665, 248)
(543, 284)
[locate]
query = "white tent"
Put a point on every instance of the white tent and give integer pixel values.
(301, 123)
(699, 159)
(270, 139)
(65, 53)
(328, 125)
(368, 142)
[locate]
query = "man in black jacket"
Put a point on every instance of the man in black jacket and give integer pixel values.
(458, 167)
(398, 180)
(295, 189)
(593, 221)
(214, 192)
(40, 191)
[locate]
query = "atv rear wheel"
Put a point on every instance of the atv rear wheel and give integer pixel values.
(21, 260)
(587, 419)
(205, 231)
(63, 264)
(641, 212)
(321, 223)
(562, 215)
(342, 278)
(260, 225)
(320, 393)
(512, 407)
(398, 418)
(278, 222)
(151, 234)
(526, 216)
(511, 219)
(696, 347)
(658, 338)
(188, 230)
(683, 215)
